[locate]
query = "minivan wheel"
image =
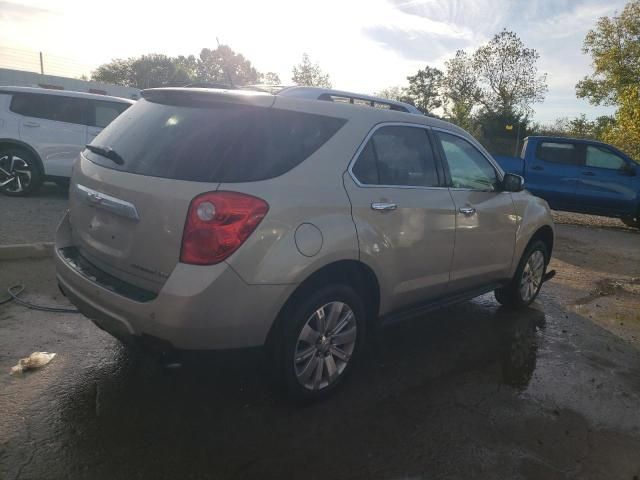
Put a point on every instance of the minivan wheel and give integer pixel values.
(19, 172)
(527, 281)
(322, 339)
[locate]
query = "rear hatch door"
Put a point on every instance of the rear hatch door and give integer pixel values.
(130, 194)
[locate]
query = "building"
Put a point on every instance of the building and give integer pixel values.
(19, 78)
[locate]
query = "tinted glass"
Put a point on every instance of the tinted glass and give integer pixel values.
(106, 112)
(220, 143)
(467, 166)
(557, 152)
(50, 107)
(365, 168)
(402, 155)
(601, 157)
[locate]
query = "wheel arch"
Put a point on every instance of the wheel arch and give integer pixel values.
(10, 142)
(545, 234)
(353, 273)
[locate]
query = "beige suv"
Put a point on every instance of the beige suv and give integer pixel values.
(212, 219)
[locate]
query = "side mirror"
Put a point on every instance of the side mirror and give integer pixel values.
(512, 183)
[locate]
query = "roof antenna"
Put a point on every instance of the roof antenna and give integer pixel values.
(224, 67)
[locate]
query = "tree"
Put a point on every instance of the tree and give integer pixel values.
(508, 75)
(146, 71)
(270, 78)
(614, 46)
(309, 74)
(425, 89)
(397, 93)
(625, 133)
(460, 89)
(223, 65)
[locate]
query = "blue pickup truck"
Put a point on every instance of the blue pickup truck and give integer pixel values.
(579, 176)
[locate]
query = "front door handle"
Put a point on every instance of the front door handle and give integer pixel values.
(383, 206)
(31, 124)
(537, 167)
(588, 174)
(467, 210)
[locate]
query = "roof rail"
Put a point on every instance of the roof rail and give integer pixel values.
(327, 94)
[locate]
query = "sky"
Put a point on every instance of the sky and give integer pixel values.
(365, 46)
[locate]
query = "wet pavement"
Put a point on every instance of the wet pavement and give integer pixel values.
(472, 391)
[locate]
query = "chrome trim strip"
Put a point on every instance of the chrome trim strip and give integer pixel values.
(96, 199)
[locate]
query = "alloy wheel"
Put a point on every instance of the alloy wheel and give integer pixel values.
(15, 173)
(532, 276)
(325, 345)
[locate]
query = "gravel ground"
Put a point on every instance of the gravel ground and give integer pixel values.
(32, 219)
(568, 218)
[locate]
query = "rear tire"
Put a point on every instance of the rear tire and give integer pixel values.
(320, 339)
(19, 172)
(527, 281)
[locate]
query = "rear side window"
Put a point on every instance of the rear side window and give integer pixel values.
(557, 152)
(105, 112)
(219, 143)
(397, 156)
(50, 107)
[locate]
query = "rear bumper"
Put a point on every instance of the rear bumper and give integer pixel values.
(197, 308)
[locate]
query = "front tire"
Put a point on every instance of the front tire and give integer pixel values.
(322, 338)
(19, 172)
(527, 281)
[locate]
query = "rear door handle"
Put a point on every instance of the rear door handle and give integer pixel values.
(467, 210)
(383, 206)
(588, 174)
(537, 167)
(31, 124)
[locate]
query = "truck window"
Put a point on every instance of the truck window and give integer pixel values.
(601, 157)
(557, 152)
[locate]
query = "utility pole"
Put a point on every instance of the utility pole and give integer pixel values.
(41, 65)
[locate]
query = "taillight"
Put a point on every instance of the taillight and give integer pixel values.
(217, 224)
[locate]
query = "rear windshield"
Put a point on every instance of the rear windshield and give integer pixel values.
(219, 143)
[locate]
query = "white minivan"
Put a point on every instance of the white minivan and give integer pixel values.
(43, 131)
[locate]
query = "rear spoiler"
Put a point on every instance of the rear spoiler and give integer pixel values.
(199, 97)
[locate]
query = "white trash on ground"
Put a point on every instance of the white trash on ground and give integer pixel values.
(33, 361)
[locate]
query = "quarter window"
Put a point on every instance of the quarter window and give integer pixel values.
(50, 107)
(467, 166)
(557, 152)
(397, 156)
(601, 157)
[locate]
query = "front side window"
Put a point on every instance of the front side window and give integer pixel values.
(467, 166)
(397, 155)
(557, 152)
(601, 157)
(50, 107)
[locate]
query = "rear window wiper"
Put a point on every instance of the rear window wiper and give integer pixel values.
(106, 152)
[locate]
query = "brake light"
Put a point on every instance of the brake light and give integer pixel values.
(217, 225)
